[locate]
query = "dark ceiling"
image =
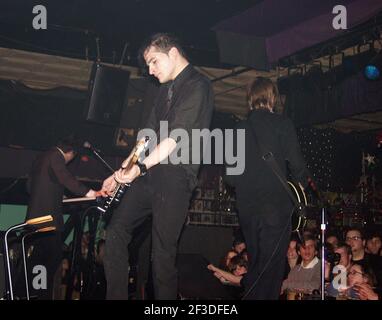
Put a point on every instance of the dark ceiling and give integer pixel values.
(75, 24)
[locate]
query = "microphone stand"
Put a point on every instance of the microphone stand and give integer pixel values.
(102, 160)
(323, 228)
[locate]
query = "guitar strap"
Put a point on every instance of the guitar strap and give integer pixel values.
(269, 158)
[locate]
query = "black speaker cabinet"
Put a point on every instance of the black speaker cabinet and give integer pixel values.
(107, 93)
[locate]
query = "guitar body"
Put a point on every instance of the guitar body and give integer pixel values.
(299, 219)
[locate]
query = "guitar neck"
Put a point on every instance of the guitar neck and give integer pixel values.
(130, 164)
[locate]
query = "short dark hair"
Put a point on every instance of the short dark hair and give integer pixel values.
(69, 143)
(294, 237)
(361, 232)
(373, 234)
(238, 261)
(237, 241)
(306, 238)
(163, 42)
(332, 234)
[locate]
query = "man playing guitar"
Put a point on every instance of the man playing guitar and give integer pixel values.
(185, 101)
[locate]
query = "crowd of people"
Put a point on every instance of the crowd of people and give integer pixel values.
(357, 255)
(265, 263)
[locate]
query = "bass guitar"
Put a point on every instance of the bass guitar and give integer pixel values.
(299, 218)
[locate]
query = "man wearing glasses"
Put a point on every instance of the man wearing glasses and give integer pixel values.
(354, 238)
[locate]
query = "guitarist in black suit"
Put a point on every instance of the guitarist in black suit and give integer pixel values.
(185, 101)
(263, 204)
(46, 184)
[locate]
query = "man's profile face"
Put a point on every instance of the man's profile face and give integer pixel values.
(161, 65)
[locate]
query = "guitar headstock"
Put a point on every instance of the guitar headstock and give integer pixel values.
(141, 146)
(134, 155)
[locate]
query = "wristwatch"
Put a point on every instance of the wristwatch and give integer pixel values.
(142, 167)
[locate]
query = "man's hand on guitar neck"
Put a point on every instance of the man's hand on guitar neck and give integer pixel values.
(127, 177)
(108, 186)
(160, 152)
(119, 176)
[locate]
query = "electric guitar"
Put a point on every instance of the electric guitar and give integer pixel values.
(299, 218)
(115, 198)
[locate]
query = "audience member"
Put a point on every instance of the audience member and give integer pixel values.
(305, 277)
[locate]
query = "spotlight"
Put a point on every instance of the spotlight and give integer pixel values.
(373, 69)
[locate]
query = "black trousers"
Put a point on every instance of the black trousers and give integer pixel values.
(266, 228)
(163, 193)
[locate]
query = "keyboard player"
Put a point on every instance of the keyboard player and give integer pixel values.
(46, 184)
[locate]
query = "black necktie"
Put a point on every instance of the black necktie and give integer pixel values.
(170, 93)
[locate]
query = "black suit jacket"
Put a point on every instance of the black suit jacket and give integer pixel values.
(48, 179)
(258, 184)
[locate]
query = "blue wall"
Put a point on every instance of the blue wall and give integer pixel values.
(11, 215)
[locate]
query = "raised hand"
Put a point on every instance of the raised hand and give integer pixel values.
(365, 291)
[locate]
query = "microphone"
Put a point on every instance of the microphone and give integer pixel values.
(96, 152)
(87, 145)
